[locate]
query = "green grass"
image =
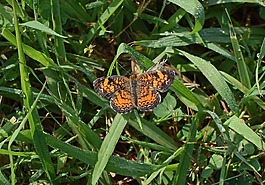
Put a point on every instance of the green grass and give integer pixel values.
(55, 129)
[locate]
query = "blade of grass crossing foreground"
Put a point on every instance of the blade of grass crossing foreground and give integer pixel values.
(108, 146)
(181, 173)
(115, 164)
(150, 130)
(236, 124)
(16, 132)
(31, 52)
(39, 26)
(34, 120)
(214, 2)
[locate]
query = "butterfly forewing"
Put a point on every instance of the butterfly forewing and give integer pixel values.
(107, 86)
(159, 80)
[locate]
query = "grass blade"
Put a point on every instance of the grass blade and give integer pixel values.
(34, 120)
(115, 164)
(260, 57)
(184, 164)
(39, 26)
(215, 78)
(214, 2)
(108, 146)
(103, 18)
(235, 124)
(31, 52)
(195, 8)
(241, 65)
(150, 129)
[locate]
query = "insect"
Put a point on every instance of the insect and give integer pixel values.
(140, 91)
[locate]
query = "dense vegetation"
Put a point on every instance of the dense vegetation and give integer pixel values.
(209, 128)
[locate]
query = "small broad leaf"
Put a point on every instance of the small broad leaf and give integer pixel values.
(216, 161)
(167, 106)
(207, 172)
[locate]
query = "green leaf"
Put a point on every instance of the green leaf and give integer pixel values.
(241, 65)
(214, 2)
(215, 78)
(207, 172)
(115, 164)
(216, 161)
(195, 8)
(235, 124)
(108, 146)
(150, 130)
(39, 26)
(166, 107)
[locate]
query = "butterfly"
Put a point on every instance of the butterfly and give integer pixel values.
(140, 91)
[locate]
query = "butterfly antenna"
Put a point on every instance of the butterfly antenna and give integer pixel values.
(158, 65)
(124, 69)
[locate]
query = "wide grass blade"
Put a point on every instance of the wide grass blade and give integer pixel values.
(235, 124)
(114, 164)
(108, 146)
(195, 8)
(215, 78)
(34, 120)
(214, 2)
(150, 130)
